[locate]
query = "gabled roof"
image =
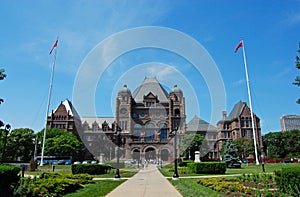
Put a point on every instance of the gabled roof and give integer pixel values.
(197, 124)
(69, 108)
(237, 110)
(153, 86)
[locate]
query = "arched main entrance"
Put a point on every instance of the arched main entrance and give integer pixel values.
(150, 154)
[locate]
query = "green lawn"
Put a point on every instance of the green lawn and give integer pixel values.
(190, 188)
(100, 188)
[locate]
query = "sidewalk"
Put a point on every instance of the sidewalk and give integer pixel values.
(146, 183)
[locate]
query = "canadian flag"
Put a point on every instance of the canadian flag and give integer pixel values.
(55, 45)
(239, 46)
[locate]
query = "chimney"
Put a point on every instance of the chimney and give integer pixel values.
(224, 115)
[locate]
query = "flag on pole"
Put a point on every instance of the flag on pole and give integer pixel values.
(55, 45)
(239, 46)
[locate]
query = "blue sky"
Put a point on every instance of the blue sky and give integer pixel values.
(270, 30)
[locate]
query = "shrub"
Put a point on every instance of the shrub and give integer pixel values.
(220, 184)
(91, 169)
(207, 167)
(51, 184)
(8, 179)
(184, 163)
(288, 180)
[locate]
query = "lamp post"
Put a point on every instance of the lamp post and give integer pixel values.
(6, 129)
(175, 175)
(118, 138)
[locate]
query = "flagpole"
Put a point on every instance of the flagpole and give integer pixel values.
(250, 104)
(49, 98)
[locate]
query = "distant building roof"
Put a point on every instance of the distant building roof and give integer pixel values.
(197, 124)
(153, 86)
(290, 122)
(69, 107)
(99, 120)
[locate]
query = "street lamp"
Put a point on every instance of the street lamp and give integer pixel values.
(118, 140)
(175, 175)
(6, 130)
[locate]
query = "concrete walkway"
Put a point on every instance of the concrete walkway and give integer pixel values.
(147, 182)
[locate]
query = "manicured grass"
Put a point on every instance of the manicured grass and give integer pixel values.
(190, 188)
(253, 168)
(245, 169)
(99, 188)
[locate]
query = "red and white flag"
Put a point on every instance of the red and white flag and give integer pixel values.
(241, 44)
(55, 45)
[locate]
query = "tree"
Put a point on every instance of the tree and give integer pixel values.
(231, 155)
(297, 80)
(244, 146)
(20, 144)
(282, 145)
(191, 143)
(60, 143)
(2, 76)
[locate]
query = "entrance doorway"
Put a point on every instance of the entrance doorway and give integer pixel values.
(150, 154)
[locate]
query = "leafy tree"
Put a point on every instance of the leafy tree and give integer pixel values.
(244, 146)
(282, 145)
(20, 144)
(60, 143)
(297, 80)
(2, 76)
(191, 143)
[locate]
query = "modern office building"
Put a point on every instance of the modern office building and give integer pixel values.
(290, 122)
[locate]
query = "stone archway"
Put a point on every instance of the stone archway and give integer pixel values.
(164, 154)
(150, 154)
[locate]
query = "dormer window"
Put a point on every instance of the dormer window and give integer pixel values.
(150, 104)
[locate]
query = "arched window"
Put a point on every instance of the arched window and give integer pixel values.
(150, 132)
(137, 132)
(163, 131)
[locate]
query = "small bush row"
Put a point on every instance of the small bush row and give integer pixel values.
(221, 184)
(8, 179)
(207, 167)
(91, 169)
(51, 184)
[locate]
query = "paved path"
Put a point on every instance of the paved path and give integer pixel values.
(146, 183)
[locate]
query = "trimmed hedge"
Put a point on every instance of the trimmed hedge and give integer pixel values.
(207, 167)
(51, 184)
(8, 179)
(91, 169)
(288, 180)
(184, 163)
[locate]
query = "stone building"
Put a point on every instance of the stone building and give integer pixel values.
(148, 119)
(238, 124)
(199, 126)
(64, 117)
(145, 124)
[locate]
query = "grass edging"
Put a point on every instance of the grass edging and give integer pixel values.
(99, 188)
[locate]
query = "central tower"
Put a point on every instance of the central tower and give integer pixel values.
(148, 117)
